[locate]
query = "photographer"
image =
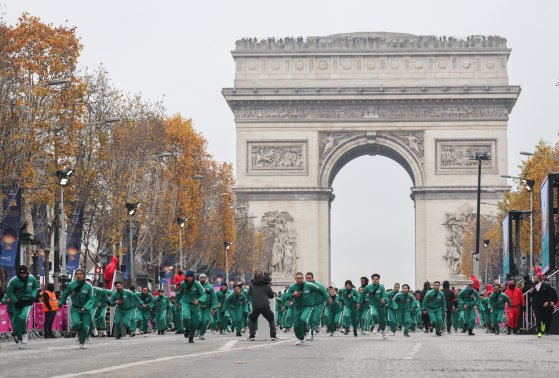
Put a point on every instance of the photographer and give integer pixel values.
(261, 292)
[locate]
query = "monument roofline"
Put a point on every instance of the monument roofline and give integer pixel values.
(370, 41)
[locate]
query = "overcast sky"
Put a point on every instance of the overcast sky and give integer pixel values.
(180, 51)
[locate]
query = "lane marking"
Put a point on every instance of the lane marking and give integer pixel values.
(228, 345)
(163, 359)
(411, 354)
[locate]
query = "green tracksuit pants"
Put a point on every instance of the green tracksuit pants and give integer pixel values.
(350, 317)
(436, 318)
(487, 319)
(333, 320)
(99, 318)
(496, 318)
(378, 314)
(404, 318)
(392, 320)
(365, 319)
(457, 320)
(80, 322)
(470, 318)
(133, 319)
(316, 316)
(205, 315)
(288, 318)
(190, 316)
(301, 317)
(236, 315)
(122, 321)
(144, 320)
(161, 320)
(19, 321)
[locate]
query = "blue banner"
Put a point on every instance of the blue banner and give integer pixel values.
(11, 224)
(546, 250)
(506, 246)
(74, 240)
(41, 232)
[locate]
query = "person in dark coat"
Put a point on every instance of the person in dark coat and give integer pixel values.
(451, 303)
(548, 312)
(260, 293)
(425, 316)
(541, 299)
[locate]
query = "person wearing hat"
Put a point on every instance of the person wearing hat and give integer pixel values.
(496, 304)
(190, 294)
(162, 305)
(468, 299)
(222, 318)
(82, 305)
(125, 301)
(21, 291)
(207, 307)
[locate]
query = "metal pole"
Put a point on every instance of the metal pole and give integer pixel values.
(486, 259)
(227, 266)
(56, 260)
(131, 249)
(62, 246)
(531, 231)
(478, 217)
(180, 248)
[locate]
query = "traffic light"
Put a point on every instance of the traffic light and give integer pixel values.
(98, 269)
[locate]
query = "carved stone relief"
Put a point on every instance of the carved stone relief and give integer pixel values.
(281, 241)
(274, 156)
(455, 155)
(340, 111)
(456, 224)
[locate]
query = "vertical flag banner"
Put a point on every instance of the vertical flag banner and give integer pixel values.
(74, 240)
(11, 223)
(135, 226)
(41, 231)
(506, 252)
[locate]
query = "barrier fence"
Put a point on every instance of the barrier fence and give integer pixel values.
(35, 323)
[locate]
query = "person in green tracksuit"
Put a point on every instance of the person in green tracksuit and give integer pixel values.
(207, 307)
(392, 316)
(364, 309)
(125, 301)
(403, 303)
(6, 301)
(247, 308)
(190, 294)
(458, 317)
(145, 299)
(170, 321)
(377, 301)
(318, 306)
(468, 299)
(234, 304)
(335, 309)
(98, 321)
(415, 310)
(350, 298)
(287, 311)
(134, 313)
(83, 301)
(485, 316)
(222, 318)
(279, 310)
(496, 302)
(21, 291)
(434, 304)
(301, 293)
(161, 305)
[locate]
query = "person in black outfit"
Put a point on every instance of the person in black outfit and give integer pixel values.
(260, 292)
(450, 299)
(547, 315)
(50, 314)
(424, 315)
(541, 298)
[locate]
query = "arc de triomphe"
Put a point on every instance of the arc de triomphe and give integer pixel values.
(305, 107)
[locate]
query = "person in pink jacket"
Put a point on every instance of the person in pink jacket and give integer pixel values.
(110, 272)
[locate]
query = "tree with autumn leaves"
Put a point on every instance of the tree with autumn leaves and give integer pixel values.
(122, 148)
(545, 159)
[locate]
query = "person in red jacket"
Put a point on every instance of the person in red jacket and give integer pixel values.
(475, 281)
(110, 272)
(178, 278)
(517, 298)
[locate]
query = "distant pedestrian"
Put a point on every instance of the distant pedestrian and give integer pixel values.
(518, 302)
(541, 298)
(49, 306)
(108, 276)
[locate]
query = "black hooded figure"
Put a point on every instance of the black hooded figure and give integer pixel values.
(424, 315)
(450, 299)
(261, 292)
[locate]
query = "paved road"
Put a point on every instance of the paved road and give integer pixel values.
(228, 356)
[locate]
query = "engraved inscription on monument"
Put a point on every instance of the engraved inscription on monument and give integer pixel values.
(453, 155)
(273, 157)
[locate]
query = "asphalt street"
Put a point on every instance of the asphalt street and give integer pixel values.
(421, 355)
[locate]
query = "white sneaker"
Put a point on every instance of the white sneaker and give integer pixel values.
(300, 342)
(308, 336)
(137, 331)
(375, 329)
(95, 332)
(383, 335)
(21, 346)
(24, 338)
(145, 335)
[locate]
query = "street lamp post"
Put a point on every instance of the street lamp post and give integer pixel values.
(479, 157)
(63, 179)
(227, 245)
(181, 222)
(131, 208)
(486, 245)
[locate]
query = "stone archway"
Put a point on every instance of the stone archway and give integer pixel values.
(305, 107)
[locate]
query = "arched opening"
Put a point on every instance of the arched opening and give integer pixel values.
(372, 219)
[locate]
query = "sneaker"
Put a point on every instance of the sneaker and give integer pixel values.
(375, 329)
(145, 335)
(118, 337)
(540, 334)
(239, 334)
(191, 340)
(272, 339)
(407, 334)
(252, 338)
(383, 335)
(201, 338)
(186, 334)
(471, 333)
(308, 336)
(300, 342)
(354, 332)
(21, 346)
(24, 338)
(332, 334)
(285, 330)
(82, 345)
(137, 332)
(346, 332)
(95, 332)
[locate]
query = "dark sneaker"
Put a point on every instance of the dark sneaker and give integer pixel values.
(239, 334)
(471, 333)
(251, 338)
(407, 334)
(191, 340)
(354, 332)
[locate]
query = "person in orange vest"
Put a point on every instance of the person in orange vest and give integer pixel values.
(49, 306)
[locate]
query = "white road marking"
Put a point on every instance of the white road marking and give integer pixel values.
(228, 345)
(163, 359)
(411, 354)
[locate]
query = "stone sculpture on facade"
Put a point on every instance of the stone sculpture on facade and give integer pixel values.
(281, 241)
(272, 157)
(456, 224)
(415, 142)
(329, 140)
